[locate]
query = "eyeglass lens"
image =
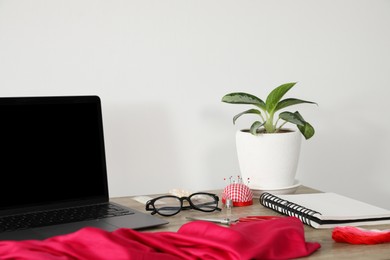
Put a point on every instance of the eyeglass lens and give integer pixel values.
(204, 202)
(168, 205)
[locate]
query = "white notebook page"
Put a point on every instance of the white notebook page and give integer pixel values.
(335, 206)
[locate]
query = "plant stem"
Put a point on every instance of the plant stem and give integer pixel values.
(262, 117)
(269, 124)
(280, 127)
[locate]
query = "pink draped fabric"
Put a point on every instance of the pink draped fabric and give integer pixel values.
(271, 239)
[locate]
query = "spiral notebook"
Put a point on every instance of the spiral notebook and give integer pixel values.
(326, 210)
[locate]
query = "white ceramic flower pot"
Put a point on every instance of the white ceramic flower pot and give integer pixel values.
(270, 161)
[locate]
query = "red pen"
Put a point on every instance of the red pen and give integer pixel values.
(257, 218)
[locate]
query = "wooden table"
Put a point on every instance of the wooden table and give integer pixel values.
(329, 249)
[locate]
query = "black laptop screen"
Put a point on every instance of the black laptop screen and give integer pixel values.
(51, 150)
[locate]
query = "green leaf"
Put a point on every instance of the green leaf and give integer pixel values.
(243, 98)
(292, 118)
(304, 127)
(276, 95)
(255, 126)
(250, 111)
(290, 102)
(307, 130)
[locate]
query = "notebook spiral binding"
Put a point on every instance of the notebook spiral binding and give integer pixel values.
(287, 208)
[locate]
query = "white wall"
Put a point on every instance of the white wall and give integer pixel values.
(162, 66)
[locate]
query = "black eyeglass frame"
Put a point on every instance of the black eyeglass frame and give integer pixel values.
(151, 207)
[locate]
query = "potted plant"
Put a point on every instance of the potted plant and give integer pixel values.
(268, 152)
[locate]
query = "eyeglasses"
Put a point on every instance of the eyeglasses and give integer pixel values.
(171, 205)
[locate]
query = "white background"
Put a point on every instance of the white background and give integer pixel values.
(161, 68)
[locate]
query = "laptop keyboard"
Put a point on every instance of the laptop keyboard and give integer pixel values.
(60, 216)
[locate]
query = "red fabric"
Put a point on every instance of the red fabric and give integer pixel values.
(272, 239)
(359, 236)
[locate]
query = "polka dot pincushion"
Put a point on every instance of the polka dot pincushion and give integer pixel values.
(239, 193)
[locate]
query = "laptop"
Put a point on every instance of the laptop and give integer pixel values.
(52, 163)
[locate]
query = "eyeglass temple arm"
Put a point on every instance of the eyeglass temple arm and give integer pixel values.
(150, 207)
